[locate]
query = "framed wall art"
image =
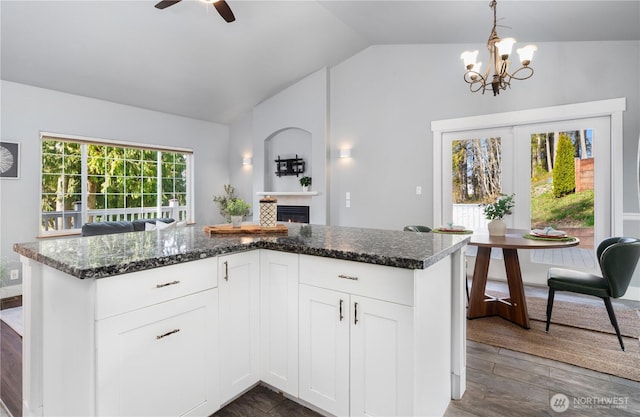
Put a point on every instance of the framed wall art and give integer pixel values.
(9, 160)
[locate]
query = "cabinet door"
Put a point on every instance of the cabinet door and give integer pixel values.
(239, 284)
(279, 320)
(381, 358)
(159, 360)
(324, 349)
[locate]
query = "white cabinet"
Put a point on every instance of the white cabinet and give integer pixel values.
(355, 354)
(239, 284)
(324, 349)
(160, 360)
(279, 320)
(141, 343)
(381, 358)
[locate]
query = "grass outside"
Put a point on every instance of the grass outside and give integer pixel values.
(573, 210)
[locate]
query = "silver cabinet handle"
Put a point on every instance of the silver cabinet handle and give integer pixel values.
(166, 284)
(341, 315)
(348, 277)
(167, 334)
(226, 271)
(355, 313)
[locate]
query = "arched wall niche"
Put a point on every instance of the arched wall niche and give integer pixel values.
(287, 143)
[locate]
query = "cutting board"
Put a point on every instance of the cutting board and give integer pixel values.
(247, 229)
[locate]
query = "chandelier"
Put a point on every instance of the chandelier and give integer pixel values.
(499, 51)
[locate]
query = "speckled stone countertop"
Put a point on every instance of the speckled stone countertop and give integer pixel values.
(108, 255)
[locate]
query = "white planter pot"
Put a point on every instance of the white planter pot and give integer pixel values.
(497, 227)
(305, 188)
(236, 221)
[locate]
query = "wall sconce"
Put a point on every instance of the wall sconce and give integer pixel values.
(345, 153)
(247, 160)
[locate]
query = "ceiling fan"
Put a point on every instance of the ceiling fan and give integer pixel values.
(221, 6)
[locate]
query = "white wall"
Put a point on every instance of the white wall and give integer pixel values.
(301, 106)
(241, 146)
(383, 100)
(26, 111)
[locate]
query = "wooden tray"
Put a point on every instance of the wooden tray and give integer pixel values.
(250, 229)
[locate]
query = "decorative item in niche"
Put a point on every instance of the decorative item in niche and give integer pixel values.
(9, 160)
(305, 182)
(291, 166)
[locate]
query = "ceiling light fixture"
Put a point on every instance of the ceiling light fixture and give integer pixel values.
(499, 51)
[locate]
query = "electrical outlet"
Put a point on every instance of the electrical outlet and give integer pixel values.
(418, 190)
(14, 274)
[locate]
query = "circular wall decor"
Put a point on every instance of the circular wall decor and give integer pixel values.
(9, 160)
(6, 159)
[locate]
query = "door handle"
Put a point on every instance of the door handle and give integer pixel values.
(341, 315)
(226, 271)
(355, 313)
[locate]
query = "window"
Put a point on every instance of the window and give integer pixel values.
(89, 181)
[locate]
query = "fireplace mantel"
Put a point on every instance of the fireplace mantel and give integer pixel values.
(288, 193)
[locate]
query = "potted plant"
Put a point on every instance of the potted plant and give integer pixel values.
(237, 209)
(306, 183)
(496, 211)
(224, 200)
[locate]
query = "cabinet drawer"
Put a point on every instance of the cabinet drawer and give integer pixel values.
(375, 281)
(127, 292)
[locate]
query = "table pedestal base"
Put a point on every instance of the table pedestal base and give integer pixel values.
(512, 308)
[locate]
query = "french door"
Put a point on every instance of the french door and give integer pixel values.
(506, 155)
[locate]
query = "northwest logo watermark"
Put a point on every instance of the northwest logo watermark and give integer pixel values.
(561, 403)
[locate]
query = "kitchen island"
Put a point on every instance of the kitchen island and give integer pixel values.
(173, 322)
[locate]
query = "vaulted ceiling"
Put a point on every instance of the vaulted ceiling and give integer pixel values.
(186, 60)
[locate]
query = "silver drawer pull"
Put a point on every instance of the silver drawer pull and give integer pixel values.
(167, 284)
(348, 277)
(167, 334)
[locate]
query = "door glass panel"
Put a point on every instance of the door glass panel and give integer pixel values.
(562, 192)
(476, 167)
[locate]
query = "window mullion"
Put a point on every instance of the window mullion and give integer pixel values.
(84, 189)
(159, 185)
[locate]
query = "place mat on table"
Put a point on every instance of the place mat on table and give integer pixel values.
(453, 232)
(552, 239)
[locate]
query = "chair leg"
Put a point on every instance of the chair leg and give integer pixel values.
(467, 282)
(552, 294)
(612, 317)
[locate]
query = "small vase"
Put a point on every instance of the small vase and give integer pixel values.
(305, 188)
(236, 221)
(497, 227)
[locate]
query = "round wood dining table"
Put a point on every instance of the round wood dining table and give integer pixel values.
(514, 307)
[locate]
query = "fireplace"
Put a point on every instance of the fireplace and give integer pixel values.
(293, 214)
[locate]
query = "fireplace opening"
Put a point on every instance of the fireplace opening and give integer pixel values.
(293, 214)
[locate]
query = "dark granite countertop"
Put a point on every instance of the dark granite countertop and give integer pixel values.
(108, 255)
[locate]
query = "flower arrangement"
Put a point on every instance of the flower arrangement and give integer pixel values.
(500, 208)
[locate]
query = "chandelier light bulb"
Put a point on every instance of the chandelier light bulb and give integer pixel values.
(469, 58)
(504, 47)
(526, 54)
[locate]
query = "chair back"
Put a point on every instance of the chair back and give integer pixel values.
(618, 259)
(422, 229)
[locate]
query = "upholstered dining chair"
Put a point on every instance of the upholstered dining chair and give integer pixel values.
(422, 229)
(617, 257)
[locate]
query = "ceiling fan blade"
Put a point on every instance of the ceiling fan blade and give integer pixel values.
(225, 11)
(166, 3)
